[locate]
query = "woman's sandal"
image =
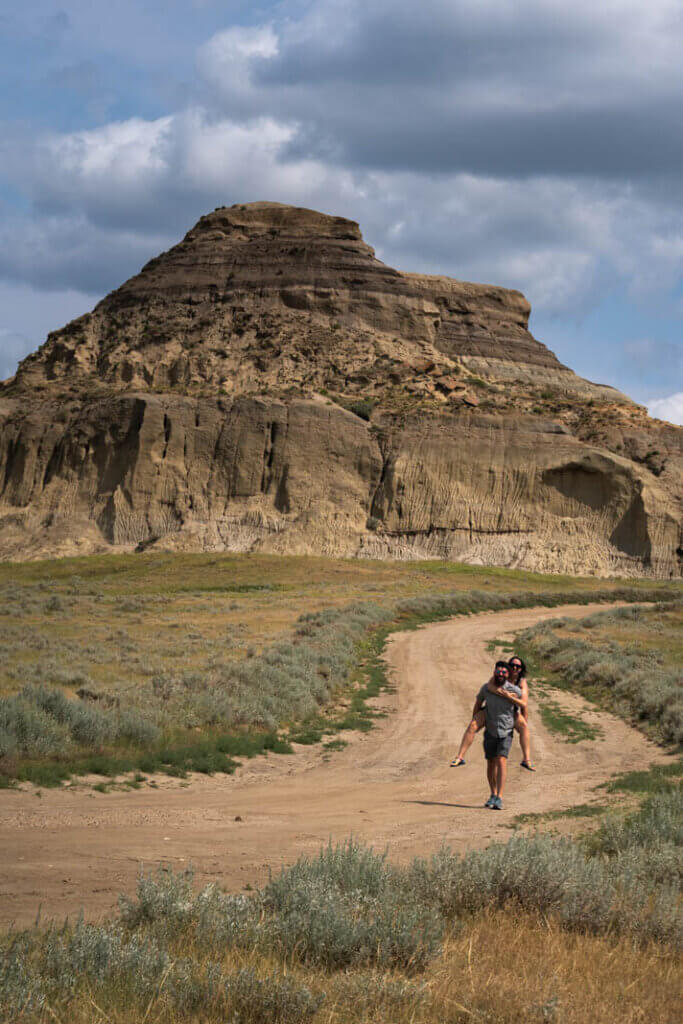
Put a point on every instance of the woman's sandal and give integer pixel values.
(528, 765)
(457, 762)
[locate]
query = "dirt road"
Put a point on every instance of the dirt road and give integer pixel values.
(73, 848)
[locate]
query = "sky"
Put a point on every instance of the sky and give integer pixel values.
(528, 143)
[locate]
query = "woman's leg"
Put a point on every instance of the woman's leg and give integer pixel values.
(522, 727)
(477, 723)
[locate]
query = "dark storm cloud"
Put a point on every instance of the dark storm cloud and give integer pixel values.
(618, 144)
(503, 89)
(433, 43)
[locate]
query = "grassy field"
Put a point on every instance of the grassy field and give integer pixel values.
(534, 930)
(539, 930)
(149, 663)
(627, 660)
(113, 619)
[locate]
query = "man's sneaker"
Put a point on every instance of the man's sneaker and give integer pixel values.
(497, 804)
(491, 802)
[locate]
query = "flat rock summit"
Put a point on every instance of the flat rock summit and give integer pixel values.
(268, 384)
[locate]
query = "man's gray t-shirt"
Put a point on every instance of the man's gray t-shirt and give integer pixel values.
(500, 712)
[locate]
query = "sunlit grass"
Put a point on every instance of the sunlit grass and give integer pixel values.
(525, 931)
(636, 680)
(113, 618)
(160, 647)
(525, 934)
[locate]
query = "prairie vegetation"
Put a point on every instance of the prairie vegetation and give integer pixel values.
(527, 930)
(153, 663)
(535, 930)
(106, 621)
(628, 660)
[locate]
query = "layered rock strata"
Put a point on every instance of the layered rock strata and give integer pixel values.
(268, 384)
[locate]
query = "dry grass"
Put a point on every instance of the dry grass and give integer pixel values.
(105, 620)
(163, 646)
(533, 931)
(512, 967)
(499, 966)
(502, 967)
(656, 631)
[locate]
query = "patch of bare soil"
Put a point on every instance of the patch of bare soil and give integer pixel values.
(74, 848)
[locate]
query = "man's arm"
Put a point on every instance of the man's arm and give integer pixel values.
(478, 705)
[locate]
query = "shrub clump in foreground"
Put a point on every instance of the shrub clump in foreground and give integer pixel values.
(51, 970)
(347, 908)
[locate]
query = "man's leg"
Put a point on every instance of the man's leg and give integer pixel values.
(490, 754)
(500, 775)
(491, 774)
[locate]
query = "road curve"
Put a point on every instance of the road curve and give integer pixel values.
(72, 848)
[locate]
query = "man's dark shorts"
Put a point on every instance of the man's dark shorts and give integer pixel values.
(496, 746)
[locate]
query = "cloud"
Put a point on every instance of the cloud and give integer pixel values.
(670, 408)
(482, 86)
(533, 144)
(137, 174)
(69, 252)
(109, 198)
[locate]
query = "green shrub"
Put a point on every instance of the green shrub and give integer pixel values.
(272, 1000)
(345, 908)
(167, 906)
(662, 865)
(37, 969)
(27, 729)
(362, 408)
(631, 684)
(41, 721)
(658, 820)
(553, 877)
(348, 908)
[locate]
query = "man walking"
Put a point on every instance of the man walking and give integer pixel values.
(499, 698)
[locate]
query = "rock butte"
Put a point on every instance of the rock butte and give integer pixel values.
(268, 384)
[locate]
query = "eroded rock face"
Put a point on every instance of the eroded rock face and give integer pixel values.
(200, 406)
(270, 296)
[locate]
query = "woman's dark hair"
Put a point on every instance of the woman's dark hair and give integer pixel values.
(516, 657)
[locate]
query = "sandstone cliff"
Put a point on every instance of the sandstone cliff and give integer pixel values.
(269, 384)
